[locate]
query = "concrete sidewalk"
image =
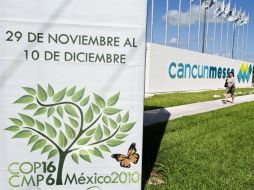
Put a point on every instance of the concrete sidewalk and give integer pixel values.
(165, 114)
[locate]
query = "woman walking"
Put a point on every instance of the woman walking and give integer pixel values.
(230, 87)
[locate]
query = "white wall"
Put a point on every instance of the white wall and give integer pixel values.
(159, 57)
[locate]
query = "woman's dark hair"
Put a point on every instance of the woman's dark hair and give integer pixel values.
(232, 73)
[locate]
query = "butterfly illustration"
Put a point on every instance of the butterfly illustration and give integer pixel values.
(132, 156)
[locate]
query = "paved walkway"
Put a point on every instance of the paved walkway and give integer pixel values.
(165, 114)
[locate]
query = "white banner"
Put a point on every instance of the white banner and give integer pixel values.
(170, 69)
(71, 88)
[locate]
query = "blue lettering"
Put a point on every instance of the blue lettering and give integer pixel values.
(192, 71)
(173, 64)
(180, 72)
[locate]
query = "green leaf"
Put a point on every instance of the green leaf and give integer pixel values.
(127, 127)
(47, 148)
(70, 110)
(78, 95)
(104, 148)
(51, 111)
(13, 128)
(84, 155)
(50, 130)
(125, 117)
(30, 91)
(57, 122)
(24, 99)
(113, 99)
(96, 152)
(40, 111)
(73, 122)
(23, 134)
(99, 101)
(106, 131)
(83, 141)
(27, 120)
(69, 132)
(50, 90)
(90, 132)
(114, 143)
(96, 109)
(42, 95)
(89, 115)
(39, 125)
(59, 95)
(111, 111)
(121, 136)
(118, 118)
(74, 157)
(84, 101)
(60, 111)
(16, 121)
(39, 144)
(52, 153)
(105, 120)
(62, 140)
(33, 139)
(31, 107)
(112, 123)
(98, 133)
(71, 91)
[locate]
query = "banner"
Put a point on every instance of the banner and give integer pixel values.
(71, 89)
(170, 69)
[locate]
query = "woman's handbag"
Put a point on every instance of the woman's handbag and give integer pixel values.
(226, 83)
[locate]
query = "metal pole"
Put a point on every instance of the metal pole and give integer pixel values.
(233, 39)
(221, 34)
(214, 33)
(246, 41)
(204, 32)
(178, 27)
(189, 34)
(151, 32)
(237, 41)
(199, 17)
(241, 51)
(166, 25)
(207, 31)
(226, 49)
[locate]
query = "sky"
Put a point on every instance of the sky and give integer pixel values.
(172, 13)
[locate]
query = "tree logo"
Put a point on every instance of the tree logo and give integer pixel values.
(70, 123)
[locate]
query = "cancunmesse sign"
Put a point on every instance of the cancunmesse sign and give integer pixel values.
(71, 88)
(169, 69)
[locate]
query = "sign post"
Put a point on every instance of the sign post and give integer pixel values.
(71, 88)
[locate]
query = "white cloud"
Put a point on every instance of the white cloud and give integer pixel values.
(172, 41)
(173, 16)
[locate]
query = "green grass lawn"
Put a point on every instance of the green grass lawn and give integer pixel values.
(213, 150)
(176, 99)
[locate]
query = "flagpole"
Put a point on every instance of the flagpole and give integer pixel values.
(241, 50)
(166, 24)
(246, 40)
(237, 41)
(151, 32)
(178, 27)
(199, 18)
(226, 50)
(221, 34)
(207, 30)
(204, 32)
(189, 34)
(233, 39)
(214, 33)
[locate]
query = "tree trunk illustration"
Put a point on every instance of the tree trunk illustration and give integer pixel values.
(59, 179)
